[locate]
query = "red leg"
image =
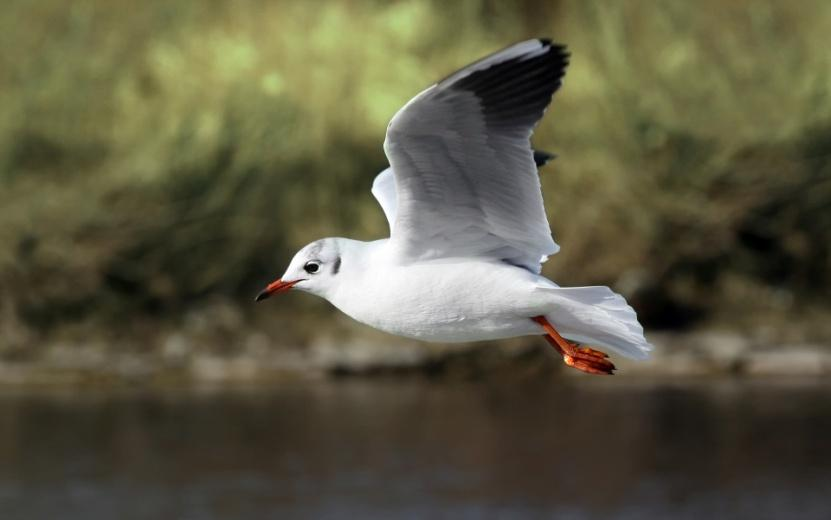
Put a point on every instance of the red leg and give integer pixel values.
(582, 358)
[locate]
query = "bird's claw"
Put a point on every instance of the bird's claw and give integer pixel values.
(591, 352)
(584, 359)
(589, 360)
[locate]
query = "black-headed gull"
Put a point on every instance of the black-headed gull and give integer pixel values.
(468, 231)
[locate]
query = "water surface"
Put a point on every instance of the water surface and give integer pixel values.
(379, 449)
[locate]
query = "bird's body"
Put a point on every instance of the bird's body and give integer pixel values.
(468, 231)
(447, 300)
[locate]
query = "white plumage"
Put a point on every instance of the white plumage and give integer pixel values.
(468, 230)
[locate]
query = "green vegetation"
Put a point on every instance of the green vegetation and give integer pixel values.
(158, 155)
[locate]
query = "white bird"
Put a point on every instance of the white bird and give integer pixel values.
(468, 231)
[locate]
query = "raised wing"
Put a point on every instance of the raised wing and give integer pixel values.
(383, 187)
(464, 171)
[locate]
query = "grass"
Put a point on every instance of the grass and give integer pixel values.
(157, 157)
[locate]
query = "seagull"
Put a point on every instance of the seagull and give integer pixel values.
(468, 230)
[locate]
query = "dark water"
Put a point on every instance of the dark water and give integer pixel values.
(586, 449)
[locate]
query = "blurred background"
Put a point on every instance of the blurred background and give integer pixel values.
(161, 161)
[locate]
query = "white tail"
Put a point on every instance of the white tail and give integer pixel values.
(597, 316)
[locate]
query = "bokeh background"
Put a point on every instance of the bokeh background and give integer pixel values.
(161, 161)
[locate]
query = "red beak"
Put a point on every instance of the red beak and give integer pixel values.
(275, 287)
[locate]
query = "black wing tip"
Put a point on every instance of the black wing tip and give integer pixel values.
(559, 54)
(515, 91)
(541, 158)
(560, 48)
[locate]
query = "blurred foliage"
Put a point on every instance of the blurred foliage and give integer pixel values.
(154, 154)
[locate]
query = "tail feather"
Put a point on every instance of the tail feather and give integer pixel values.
(599, 317)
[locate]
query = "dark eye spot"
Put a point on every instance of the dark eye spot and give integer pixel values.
(311, 267)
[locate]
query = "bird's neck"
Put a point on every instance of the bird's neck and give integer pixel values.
(359, 262)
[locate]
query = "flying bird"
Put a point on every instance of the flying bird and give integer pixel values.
(468, 230)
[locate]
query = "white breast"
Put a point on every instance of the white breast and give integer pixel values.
(446, 300)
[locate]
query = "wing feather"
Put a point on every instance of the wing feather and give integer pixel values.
(383, 189)
(464, 174)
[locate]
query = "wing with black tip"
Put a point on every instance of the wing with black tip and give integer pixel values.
(463, 170)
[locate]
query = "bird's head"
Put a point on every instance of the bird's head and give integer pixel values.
(313, 269)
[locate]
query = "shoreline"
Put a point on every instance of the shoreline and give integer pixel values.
(689, 356)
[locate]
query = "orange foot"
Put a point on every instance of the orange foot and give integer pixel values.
(582, 358)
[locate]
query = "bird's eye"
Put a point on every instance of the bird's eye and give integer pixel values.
(311, 267)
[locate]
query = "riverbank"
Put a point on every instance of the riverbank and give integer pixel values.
(256, 360)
